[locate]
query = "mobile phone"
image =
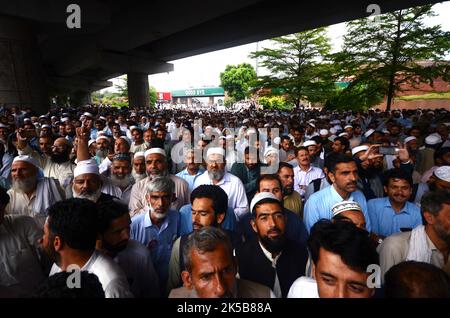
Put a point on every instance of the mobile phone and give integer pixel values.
(388, 150)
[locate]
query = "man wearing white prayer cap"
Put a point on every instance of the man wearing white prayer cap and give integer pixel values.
(323, 133)
(310, 131)
(157, 166)
(427, 161)
(441, 178)
(138, 171)
(349, 211)
(87, 183)
(216, 174)
(359, 149)
(271, 156)
(368, 133)
(57, 165)
(31, 193)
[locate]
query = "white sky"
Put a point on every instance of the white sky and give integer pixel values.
(204, 70)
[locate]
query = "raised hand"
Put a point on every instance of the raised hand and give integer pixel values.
(403, 153)
(371, 153)
(83, 133)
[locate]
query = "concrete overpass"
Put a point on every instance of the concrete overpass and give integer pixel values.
(41, 56)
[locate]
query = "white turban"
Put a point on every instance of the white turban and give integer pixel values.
(270, 150)
(309, 143)
(101, 137)
(155, 150)
(359, 149)
(85, 167)
(28, 159)
(410, 138)
(215, 150)
(139, 154)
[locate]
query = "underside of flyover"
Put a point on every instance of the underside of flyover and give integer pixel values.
(41, 56)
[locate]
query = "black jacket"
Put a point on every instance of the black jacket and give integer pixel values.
(253, 265)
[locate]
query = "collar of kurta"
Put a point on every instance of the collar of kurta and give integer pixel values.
(148, 221)
(387, 204)
(335, 194)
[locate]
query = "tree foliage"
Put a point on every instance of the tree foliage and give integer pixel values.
(298, 65)
(153, 96)
(383, 53)
(274, 103)
(236, 80)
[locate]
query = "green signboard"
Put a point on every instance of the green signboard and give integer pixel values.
(199, 92)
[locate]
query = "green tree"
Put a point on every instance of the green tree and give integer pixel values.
(236, 80)
(153, 96)
(298, 66)
(384, 53)
(122, 86)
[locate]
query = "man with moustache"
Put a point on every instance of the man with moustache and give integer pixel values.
(192, 170)
(120, 181)
(133, 257)
(157, 225)
(304, 173)
(31, 193)
(211, 269)
(88, 183)
(102, 151)
(157, 166)
(270, 258)
(70, 233)
(343, 173)
(138, 172)
(393, 213)
(292, 200)
(429, 243)
(232, 185)
(55, 165)
(209, 205)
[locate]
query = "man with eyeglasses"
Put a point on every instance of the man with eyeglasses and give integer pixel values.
(55, 165)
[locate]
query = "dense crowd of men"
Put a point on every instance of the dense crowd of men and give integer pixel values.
(108, 202)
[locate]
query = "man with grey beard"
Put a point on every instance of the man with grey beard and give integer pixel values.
(232, 185)
(120, 182)
(102, 151)
(138, 171)
(156, 166)
(57, 165)
(157, 226)
(31, 193)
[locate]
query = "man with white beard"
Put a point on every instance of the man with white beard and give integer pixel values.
(120, 182)
(102, 151)
(138, 171)
(57, 165)
(31, 193)
(156, 166)
(87, 183)
(157, 226)
(232, 185)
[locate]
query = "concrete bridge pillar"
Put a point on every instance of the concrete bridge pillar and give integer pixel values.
(138, 90)
(23, 81)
